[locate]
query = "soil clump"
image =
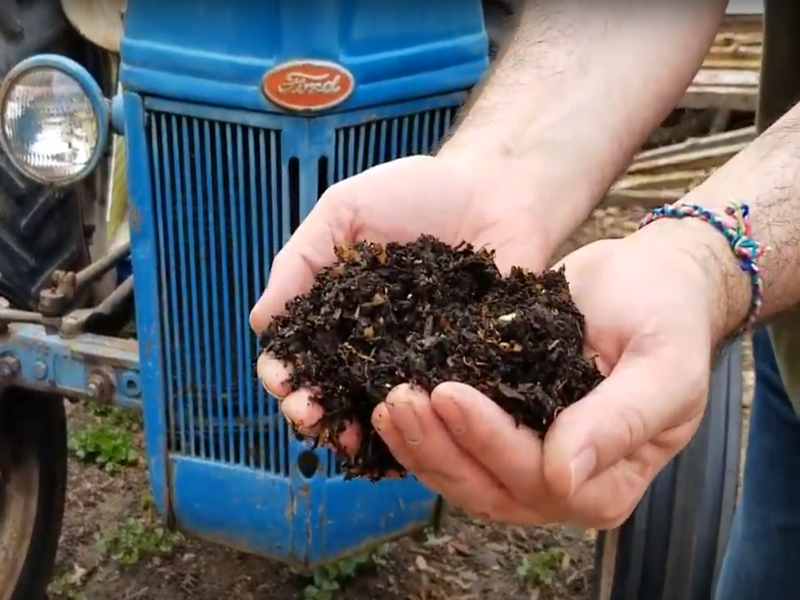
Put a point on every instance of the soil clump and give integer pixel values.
(424, 313)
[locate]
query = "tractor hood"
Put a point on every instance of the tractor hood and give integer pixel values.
(241, 54)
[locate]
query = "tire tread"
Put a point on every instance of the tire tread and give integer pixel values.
(40, 228)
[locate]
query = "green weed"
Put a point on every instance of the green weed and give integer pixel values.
(328, 580)
(107, 440)
(541, 568)
(135, 539)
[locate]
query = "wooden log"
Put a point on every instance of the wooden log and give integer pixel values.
(728, 78)
(672, 180)
(733, 64)
(704, 158)
(743, 99)
(647, 199)
(738, 136)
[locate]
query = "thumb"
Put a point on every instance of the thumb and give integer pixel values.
(645, 394)
(527, 250)
(310, 248)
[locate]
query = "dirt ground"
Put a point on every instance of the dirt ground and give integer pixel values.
(111, 548)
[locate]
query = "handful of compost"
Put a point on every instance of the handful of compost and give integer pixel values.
(425, 313)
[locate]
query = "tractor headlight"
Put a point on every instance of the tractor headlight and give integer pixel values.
(53, 119)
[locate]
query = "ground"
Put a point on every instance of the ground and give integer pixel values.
(111, 548)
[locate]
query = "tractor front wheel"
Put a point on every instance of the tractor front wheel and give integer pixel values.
(33, 483)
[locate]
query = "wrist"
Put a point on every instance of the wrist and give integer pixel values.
(709, 263)
(549, 187)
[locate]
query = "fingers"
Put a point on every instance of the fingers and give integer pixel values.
(421, 443)
(641, 398)
(310, 248)
(274, 375)
(486, 432)
(297, 406)
(609, 498)
(304, 414)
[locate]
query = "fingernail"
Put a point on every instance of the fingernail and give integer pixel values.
(404, 417)
(453, 416)
(582, 467)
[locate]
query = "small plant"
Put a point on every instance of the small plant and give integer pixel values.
(66, 587)
(121, 417)
(104, 444)
(107, 441)
(540, 568)
(135, 539)
(328, 580)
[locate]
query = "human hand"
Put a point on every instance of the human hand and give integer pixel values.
(449, 198)
(650, 313)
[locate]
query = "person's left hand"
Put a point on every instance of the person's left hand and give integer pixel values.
(649, 312)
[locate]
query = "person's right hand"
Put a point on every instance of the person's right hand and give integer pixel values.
(449, 198)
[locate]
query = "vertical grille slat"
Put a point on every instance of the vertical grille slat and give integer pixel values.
(227, 197)
(426, 134)
(373, 139)
(278, 444)
(232, 137)
(226, 266)
(235, 246)
(251, 221)
(261, 248)
(186, 270)
(176, 250)
(176, 379)
(162, 241)
(217, 409)
(200, 278)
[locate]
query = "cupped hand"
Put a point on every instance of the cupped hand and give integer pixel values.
(649, 311)
(452, 199)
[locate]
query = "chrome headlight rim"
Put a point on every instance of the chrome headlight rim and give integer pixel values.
(94, 94)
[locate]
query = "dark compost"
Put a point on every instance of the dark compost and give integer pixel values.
(426, 312)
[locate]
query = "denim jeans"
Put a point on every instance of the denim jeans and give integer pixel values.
(763, 554)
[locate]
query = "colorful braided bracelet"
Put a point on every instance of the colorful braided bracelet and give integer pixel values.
(734, 224)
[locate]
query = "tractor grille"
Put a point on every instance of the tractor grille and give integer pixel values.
(225, 199)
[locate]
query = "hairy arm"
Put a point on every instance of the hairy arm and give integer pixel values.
(767, 176)
(576, 92)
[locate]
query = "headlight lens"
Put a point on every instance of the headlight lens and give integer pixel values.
(50, 128)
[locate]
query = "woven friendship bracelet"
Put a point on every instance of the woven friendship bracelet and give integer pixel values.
(734, 224)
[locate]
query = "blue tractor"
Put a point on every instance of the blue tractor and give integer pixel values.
(231, 119)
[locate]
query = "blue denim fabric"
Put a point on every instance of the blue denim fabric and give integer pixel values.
(763, 555)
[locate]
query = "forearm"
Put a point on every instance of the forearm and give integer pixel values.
(577, 91)
(766, 175)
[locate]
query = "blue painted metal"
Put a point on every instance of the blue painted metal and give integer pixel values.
(87, 83)
(219, 178)
(234, 173)
(124, 270)
(51, 363)
(117, 114)
(216, 53)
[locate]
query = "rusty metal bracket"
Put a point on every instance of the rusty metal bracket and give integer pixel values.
(57, 299)
(93, 367)
(99, 384)
(75, 322)
(72, 323)
(10, 315)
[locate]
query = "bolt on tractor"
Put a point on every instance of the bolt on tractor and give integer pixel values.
(155, 157)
